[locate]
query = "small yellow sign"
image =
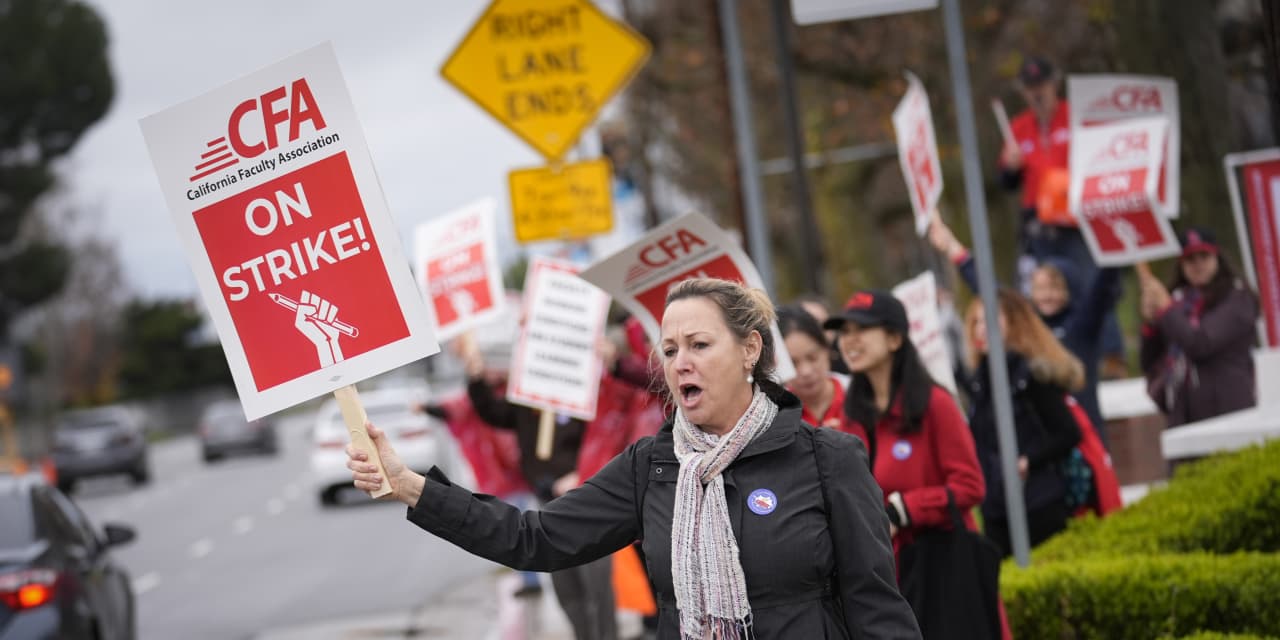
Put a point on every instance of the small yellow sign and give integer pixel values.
(544, 68)
(568, 202)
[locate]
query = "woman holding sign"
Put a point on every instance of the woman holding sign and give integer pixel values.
(1197, 340)
(753, 523)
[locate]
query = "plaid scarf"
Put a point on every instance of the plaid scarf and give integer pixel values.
(711, 591)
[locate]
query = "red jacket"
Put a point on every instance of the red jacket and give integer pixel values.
(1041, 155)
(922, 465)
(834, 417)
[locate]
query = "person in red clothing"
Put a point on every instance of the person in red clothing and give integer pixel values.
(921, 450)
(919, 442)
(821, 392)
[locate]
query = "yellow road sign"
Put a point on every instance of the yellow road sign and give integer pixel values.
(557, 203)
(544, 68)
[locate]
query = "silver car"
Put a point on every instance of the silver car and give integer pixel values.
(98, 442)
(224, 430)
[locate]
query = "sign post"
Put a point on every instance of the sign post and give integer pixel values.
(275, 199)
(571, 201)
(544, 68)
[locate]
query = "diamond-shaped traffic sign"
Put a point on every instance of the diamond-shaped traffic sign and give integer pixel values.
(544, 68)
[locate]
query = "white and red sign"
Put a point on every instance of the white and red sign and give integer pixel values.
(1259, 226)
(275, 199)
(1114, 173)
(918, 151)
(919, 296)
(1103, 99)
(457, 262)
(555, 365)
(639, 275)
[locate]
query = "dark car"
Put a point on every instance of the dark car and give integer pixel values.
(224, 430)
(57, 577)
(98, 442)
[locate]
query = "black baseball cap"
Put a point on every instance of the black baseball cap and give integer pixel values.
(1035, 71)
(871, 309)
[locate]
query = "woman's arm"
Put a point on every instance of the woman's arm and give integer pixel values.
(585, 524)
(1061, 432)
(865, 573)
(953, 448)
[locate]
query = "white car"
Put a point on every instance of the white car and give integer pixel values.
(420, 440)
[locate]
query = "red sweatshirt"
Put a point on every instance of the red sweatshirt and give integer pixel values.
(922, 465)
(834, 416)
(1041, 153)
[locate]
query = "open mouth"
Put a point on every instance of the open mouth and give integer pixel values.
(689, 393)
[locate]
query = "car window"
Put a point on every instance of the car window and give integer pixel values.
(79, 523)
(17, 524)
(62, 520)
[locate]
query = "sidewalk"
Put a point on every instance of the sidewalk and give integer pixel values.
(482, 609)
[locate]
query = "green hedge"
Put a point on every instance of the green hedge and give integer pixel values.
(1144, 597)
(1221, 504)
(1196, 559)
(1214, 635)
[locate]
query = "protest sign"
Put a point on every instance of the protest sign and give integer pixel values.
(457, 260)
(1114, 169)
(1106, 98)
(1255, 175)
(274, 196)
(691, 246)
(918, 151)
(544, 68)
(555, 365)
(920, 297)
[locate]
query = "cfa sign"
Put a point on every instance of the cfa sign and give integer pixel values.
(569, 202)
(544, 68)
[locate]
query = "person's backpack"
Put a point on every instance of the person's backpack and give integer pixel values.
(1102, 494)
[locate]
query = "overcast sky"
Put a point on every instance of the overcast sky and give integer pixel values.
(433, 148)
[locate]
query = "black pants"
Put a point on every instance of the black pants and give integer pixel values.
(1042, 524)
(586, 595)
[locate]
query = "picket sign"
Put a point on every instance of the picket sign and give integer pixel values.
(275, 199)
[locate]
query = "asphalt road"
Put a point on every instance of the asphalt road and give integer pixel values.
(237, 548)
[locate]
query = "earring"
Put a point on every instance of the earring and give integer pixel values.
(751, 378)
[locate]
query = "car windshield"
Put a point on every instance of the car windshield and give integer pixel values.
(16, 527)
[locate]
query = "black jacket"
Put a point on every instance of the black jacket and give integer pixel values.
(819, 566)
(540, 475)
(1045, 428)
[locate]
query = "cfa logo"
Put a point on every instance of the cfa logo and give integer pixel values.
(1123, 147)
(1129, 99)
(254, 126)
(665, 251)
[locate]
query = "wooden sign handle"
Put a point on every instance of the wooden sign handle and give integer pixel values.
(546, 434)
(353, 414)
(1144, 270)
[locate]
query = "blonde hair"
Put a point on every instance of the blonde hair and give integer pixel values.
(744, 310)
(1028, 336)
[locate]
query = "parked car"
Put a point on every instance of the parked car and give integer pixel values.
(224, 430)
(98, 442)
(57, 576)
(417, 437)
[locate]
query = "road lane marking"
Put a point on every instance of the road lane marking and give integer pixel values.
(146, 583)
(275, 506)
(201, 548)
(242, 525)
